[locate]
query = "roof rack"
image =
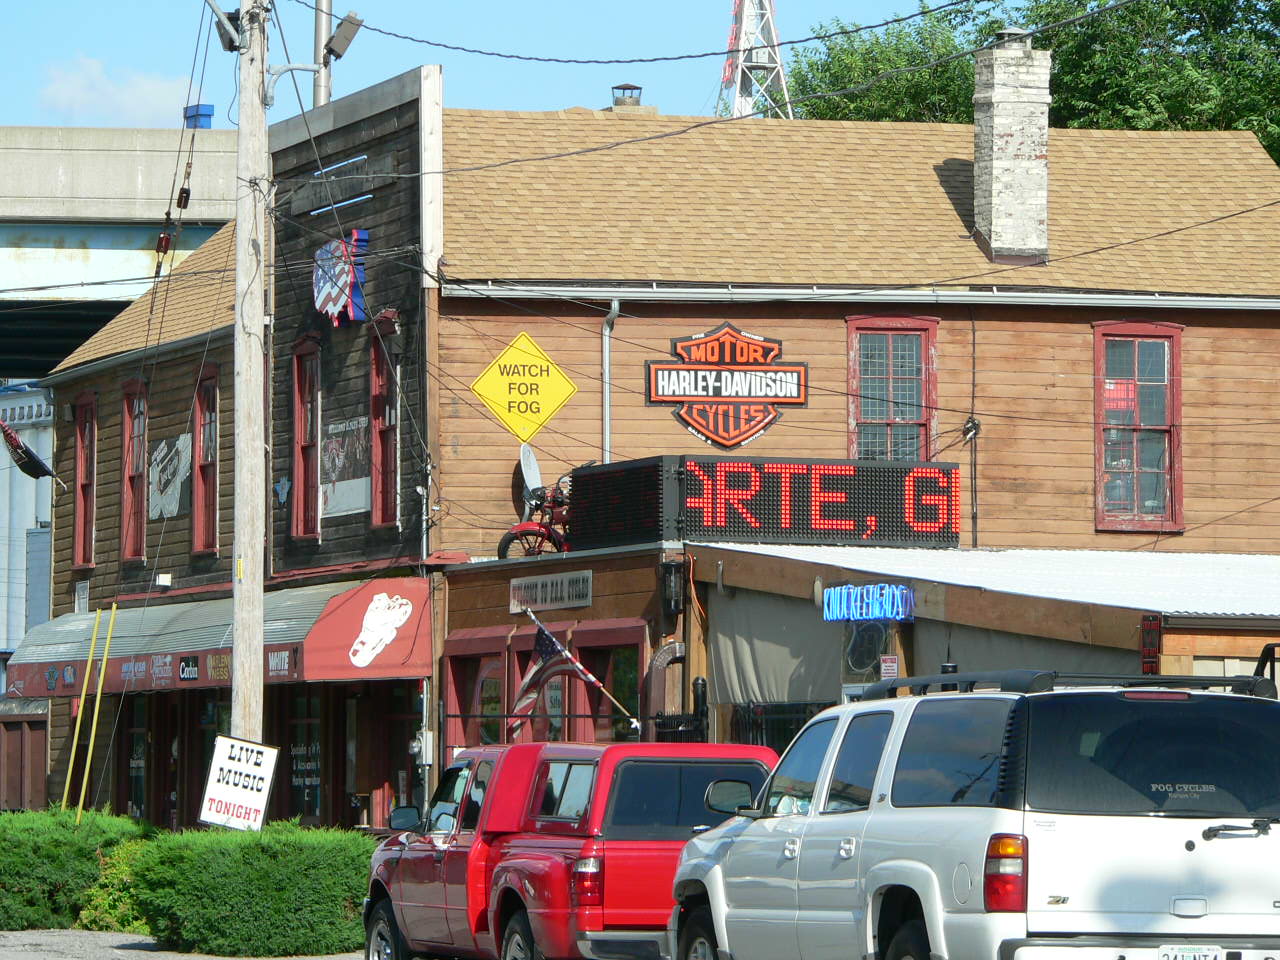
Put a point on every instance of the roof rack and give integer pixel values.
(1038, 681)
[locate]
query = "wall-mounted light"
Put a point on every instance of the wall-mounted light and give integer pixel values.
(671, 573)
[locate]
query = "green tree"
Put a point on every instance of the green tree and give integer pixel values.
(1151, 65)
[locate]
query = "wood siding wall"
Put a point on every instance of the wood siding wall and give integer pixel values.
(1029, 371)
(392, 280)
(171, 384)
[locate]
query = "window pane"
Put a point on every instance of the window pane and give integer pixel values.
(1153, 493)
(1117, 450)
(1153, 361)
(951, 753)
(475, 796)
(874, 393)
(1117, 492)
(906, 442)
(873, 443)
(791, 789)
(906, 400)
(873, 355)
(1151, 450)
(577, 791)
(854, 773)
(1119, 359)
(906, 355)
(1153, 403)
(664, 799)
(443, 811)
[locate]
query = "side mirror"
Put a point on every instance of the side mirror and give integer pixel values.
(728, 796)
(405, 818)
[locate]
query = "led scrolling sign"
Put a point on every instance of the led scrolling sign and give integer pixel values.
(763, 500)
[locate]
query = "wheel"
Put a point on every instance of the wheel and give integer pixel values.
(911, 942)
(530, 543)
(698, 938)
(382, 940)
(517, 941)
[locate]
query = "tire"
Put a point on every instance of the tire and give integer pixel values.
(529, 544)
(517, 940)
(698, 936)
(382, 940)
(911, 942)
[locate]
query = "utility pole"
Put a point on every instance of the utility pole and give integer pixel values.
(253, 169)
(322, 86)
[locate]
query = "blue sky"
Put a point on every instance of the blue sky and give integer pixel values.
(82, 63)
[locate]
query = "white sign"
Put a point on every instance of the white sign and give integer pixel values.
(553, 591)
(889, 667)
(239, 784)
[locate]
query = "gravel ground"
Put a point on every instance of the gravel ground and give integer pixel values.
(89, 945)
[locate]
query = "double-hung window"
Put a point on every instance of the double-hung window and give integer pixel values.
(204, 515)
(1138, 433)
(306, 440)
(891, 387)
(133, 455)
(86, 420)
(384, 423)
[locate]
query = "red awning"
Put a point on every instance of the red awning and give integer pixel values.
(378, 630)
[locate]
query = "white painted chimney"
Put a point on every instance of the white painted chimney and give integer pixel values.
(1011, 149)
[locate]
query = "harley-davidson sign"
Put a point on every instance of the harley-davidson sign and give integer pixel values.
(729, 385)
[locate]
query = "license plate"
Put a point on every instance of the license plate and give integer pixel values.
(1189, 951)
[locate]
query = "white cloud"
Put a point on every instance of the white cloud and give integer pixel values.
(83, 92)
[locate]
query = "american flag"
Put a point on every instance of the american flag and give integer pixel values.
(23, 456)
(548, 653)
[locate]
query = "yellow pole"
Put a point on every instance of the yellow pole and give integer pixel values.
(97, 702)
(84, 692)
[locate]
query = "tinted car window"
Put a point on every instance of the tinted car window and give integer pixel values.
(666, 799)
(855, 768)
(951, 753)
(1116, 753)
(475, 795)
(793, 783)
(442, 815)
(566, 790)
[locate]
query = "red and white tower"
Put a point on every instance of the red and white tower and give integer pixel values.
(753, 80)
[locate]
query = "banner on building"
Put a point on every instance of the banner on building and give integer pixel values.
(345, 468)
(169, 478)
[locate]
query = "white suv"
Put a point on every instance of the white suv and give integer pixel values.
(1048, 816)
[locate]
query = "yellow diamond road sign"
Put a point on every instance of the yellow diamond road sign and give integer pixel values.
(523, 388)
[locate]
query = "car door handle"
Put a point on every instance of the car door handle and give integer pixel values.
(847, 846)
(791, 849)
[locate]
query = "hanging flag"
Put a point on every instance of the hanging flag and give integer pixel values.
(23, 456)
(548, 653)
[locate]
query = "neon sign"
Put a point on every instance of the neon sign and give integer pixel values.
(869, 601)
(760, 500)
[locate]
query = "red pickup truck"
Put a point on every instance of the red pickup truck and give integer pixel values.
(555, 850)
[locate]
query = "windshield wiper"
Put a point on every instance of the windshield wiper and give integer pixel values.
(1260, 827)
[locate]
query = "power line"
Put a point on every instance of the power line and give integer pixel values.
(576, 61)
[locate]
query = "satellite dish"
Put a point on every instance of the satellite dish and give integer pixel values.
(529, 467)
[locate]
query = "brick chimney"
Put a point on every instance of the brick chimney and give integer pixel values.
(1011, 149)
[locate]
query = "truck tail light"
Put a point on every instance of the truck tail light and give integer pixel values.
(586, 882)
(1004, 878)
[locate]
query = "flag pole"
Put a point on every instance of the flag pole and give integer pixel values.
(635, 724)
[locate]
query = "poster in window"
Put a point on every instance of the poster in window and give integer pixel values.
(345, 485)
(169, 480)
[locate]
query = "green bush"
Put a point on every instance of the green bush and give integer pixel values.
(281, 892)
(48, 863)
(109, 903)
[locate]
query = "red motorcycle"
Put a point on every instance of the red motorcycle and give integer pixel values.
(543, 511)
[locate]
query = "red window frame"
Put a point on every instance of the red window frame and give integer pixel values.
(1107, 393)
(204, 457)
(926, 328)
(305, 518)
(384, 422)
(133, 471)
(86, 444)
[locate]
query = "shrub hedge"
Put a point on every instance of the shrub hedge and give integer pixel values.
(285, 891)
(48, 863)
(109, 903)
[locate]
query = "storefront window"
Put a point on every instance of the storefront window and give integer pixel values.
(304, 753)
(549, 713)
(137, 739)
(486, 703)
(405, 719)
(618, 668)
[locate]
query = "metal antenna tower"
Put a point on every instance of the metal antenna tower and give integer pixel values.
(754, 81)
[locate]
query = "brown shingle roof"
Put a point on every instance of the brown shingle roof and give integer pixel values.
(814, 202)
(196, 297)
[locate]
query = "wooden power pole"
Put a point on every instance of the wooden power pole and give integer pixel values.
(252, 179)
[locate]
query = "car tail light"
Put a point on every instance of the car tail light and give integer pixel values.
(586, 882)
(1004, 879)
